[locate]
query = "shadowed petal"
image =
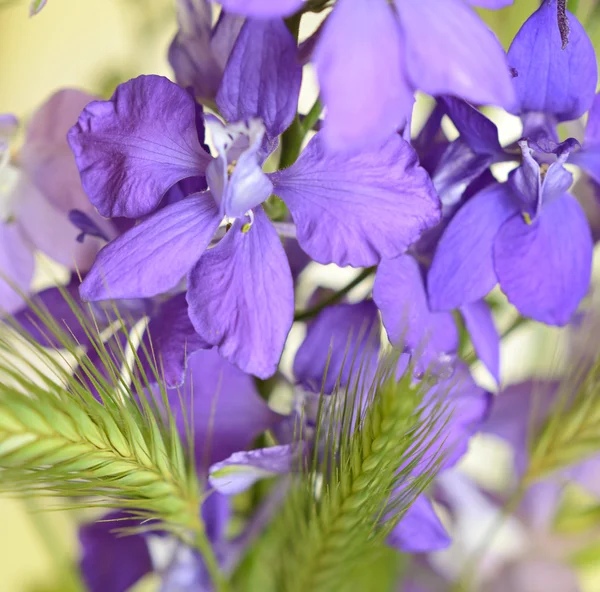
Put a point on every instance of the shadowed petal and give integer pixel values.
(355, 210)
(241, 296)
(153, 256)
(335, 346)
(544, 268)
(168, 342)
(449, 50)
(484, 335)
(16, 266)
(360, 46)
(557, 81)
(262, 8)
(262, 78)
(462, 270)
(242, 469)
(132, 149)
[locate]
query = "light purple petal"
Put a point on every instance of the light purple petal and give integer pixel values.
(544, 268)
(262, 8)
(592, 128)
(561, 82)
(153, 256)
(355, 210)
(587, 474)
(450, 51)
(484, 335)
(132, 149)
(358, 48)
(242, 469)
(340, 342)
(224, 36)
(241, 296)
(262, 77)
(168, 341)
(536, 574)
(225, 406)
(420, 530)
(16, 267)
(491, 4)
(112, 562)
(399, 293)
(462, 270)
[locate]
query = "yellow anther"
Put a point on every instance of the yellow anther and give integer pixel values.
(527, 218)
(231, 168)
(246, 227)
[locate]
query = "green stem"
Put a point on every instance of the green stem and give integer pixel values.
(471, 357)
(291, 143)
(210, 560)
(312, 116)
(309, 313)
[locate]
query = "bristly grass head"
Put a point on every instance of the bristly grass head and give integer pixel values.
(83, 424)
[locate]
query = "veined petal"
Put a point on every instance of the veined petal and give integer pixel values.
(450, 51)
(132, 149)
(241, 296)
(420, 529)
(343, 340)
(153, 256)
(262, 8)
(462, 270)
(169, 340)
(242, 469)
(16, 266)
(262, 77)
(544, 268)
(355, 210)
(358, 48)
(484, 335)
(399, 293)
(550, 79)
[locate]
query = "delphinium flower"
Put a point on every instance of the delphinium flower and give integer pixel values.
(371, 55)
(38, 186)
(349, 211)
(222, 407)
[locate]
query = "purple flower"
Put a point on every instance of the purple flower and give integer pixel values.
(529, 235)
(349, 211)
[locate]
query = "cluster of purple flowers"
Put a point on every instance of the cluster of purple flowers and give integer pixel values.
(165, 228)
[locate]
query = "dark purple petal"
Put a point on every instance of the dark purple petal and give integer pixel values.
(242, 469)
(262, 8)
(223, 405)
(112, 562)
(169, 340)
(462, 270)
(16, 266)
(544, 268)
(356, 210)
(419, 530)
(153, 256)
(132, 149)
(399, 293)
(550, 79)
(241, 296)
(358, 48)
(262, 77)
(484, 335)
(450, 51)
(340, 342)
(475, 128)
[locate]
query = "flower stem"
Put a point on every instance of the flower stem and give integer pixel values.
(309, 313)
(210, 560)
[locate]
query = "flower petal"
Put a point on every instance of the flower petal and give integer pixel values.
(450, 51)
(153, 256)
(560, 82)
(16, 266)
(355, 210)
(419, 530)
(262, 77)
(242, 469)
(110, 561)
(358, 47)
(262, 8)
(544, 268)
(168, 341)
(399, 293)
(241, 296)
(335, 346)
(132, 149)
(491, 4)
(484, 335)
(462, 270)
